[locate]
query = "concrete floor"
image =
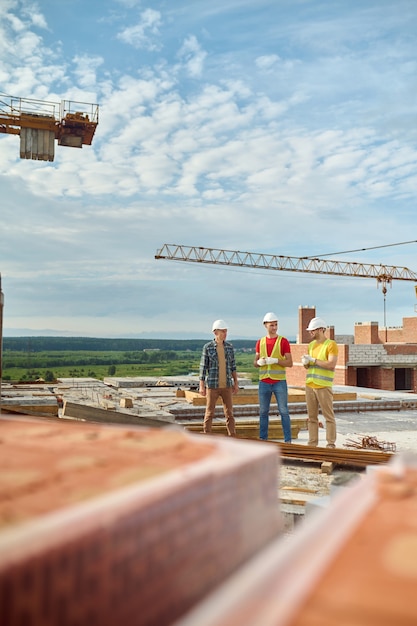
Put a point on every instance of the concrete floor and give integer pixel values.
(395, 427)
(399, 427)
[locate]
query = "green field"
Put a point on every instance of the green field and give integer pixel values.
(25, 366)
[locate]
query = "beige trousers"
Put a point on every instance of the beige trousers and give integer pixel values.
(227, 399)
(320, 397)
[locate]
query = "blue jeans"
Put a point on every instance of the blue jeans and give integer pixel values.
(280, 391)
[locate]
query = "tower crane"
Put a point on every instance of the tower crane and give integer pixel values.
(384, 274)
(39, 123)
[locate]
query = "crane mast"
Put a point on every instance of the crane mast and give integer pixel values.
(384, 274)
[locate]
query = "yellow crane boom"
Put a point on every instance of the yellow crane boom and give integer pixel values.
(384, 274)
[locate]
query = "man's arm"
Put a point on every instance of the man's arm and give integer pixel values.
(232, 362)
(257, 354)
(286, 361)
(331, 361)
(235, 382)
(330, 364)
(286, 351)
(203, 372)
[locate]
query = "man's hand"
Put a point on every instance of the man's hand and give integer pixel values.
(261, 361)
(271, 360)
(306, 359)
(202, 390)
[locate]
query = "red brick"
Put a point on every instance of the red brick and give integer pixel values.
(140, 552)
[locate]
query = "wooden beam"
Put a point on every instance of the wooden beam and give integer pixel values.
(250, 396)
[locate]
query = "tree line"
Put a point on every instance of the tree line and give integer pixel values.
(95, 344)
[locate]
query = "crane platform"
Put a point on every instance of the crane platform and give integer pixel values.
(40, 123)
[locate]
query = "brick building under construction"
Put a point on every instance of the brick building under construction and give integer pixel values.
(379, 358)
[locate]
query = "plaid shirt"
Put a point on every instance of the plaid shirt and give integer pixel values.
(209, 364)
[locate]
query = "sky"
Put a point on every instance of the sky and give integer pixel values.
(282, 127)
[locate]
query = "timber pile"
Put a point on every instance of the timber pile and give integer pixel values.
(337, 456)
(249, 395)
(250, 429)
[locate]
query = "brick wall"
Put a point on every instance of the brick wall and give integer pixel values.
(366, 354)
(414, 381)
(402, 350)
(374, 355)
(391, 335)
(370, 333)
(296, 375)
(410, 329)
(366, 332)
(305, 315)
(351, 376)
(386, 378)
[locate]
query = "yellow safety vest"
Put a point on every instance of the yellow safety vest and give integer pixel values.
(318, 375)
(275, 371)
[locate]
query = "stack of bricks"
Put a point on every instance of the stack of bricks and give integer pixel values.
(353, 563)
(104, 525)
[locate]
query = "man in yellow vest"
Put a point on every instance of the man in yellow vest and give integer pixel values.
(320, 363)
(273, 355)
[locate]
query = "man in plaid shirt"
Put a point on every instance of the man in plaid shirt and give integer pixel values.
(218, 377)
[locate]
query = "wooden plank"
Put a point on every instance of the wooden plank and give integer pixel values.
(297, 500)
(338, 456)
(196, 399)
(300, 422)
(299, 489)
(250, 396)
(327, 467)
(247, 431)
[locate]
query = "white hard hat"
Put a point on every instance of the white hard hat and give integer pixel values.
(316, 322)
(270, 317)
(219, 325)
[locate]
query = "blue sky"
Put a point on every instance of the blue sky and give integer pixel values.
(276, 126)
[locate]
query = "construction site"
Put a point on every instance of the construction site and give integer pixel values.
(115, 507)
(285, 124)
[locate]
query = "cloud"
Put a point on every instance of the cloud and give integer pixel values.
(85, 71)
(266, 62)
(291, 137)
(192, 56)
(145, 33)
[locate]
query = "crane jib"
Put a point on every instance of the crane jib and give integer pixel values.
(384, 274)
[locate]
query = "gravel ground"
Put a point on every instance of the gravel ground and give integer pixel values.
(305, 479)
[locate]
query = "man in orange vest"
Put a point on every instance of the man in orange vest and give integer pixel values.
(320, 363)
(273, 355)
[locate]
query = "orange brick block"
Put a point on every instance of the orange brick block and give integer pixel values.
(108, 525)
